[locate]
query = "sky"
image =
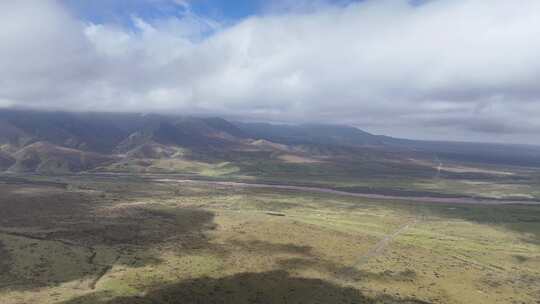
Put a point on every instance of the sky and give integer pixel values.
(426, 69)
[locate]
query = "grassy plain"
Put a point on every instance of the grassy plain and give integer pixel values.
(92, 239)
(367, 174)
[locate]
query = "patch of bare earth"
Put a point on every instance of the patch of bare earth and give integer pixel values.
(297, 159)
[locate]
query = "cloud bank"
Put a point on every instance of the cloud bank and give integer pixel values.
(462, 69)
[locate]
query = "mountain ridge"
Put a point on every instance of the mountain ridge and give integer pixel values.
(33, 141)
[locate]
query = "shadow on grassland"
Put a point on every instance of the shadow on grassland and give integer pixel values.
(267, 287)
(4, 259)
(304, 257)
(66, 236)
(87, 220)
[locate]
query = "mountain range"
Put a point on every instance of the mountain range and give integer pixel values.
(65, 142)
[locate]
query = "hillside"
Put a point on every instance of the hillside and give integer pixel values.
(32, 141)
(6, 160)
(344, 136)
(43, 157)
(317, 134)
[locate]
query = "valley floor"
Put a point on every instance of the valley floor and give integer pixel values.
(129, 239)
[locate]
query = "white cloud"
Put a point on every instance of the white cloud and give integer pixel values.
(457, 67)
(6, 103)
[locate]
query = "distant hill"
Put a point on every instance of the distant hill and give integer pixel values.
(311, 134)
(60, 142)
(335, 135)
(486, 153)
(43, 157)
(6, 161)
(79, 131)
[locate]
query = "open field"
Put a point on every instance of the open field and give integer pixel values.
(96, 239)
(371, 176)
(402, 178)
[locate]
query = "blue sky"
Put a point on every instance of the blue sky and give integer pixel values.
(101, 11)
(120, 11)
(226, 11)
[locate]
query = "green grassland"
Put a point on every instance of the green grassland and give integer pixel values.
(366, 172)
(381, 176)
(130, 239)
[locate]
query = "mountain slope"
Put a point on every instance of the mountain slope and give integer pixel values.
(192, 133)
(43, 157)
(318, 134)
(10, 134)
(484, 153)
(32, 141)
(71, 130)
(6, 161)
